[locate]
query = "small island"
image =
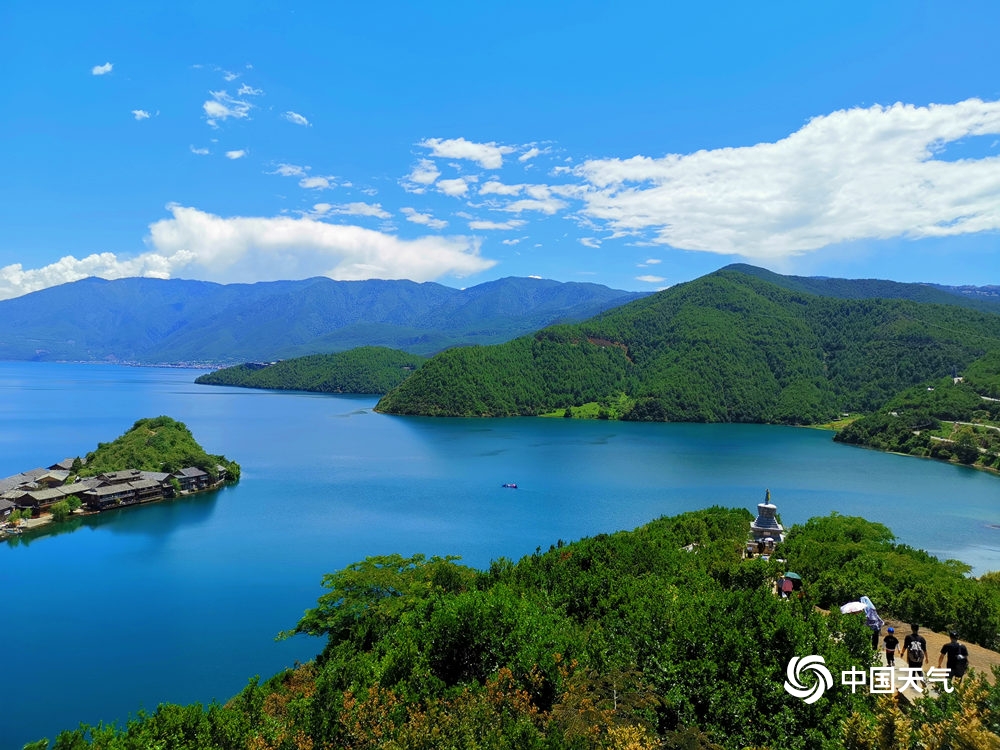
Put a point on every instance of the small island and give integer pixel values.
(157, 459)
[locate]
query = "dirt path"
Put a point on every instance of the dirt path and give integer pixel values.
(980, 659)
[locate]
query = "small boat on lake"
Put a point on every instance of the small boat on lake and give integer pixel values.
(509, 485)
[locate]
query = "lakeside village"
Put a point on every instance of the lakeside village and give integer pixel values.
(33, 494)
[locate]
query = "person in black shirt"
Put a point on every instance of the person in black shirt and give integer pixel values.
(891, 644)
(958, 657)
(915, 649)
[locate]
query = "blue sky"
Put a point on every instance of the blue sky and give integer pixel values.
(635, 145)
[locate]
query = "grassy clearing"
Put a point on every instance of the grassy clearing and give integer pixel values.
(594, 409)
(836, 424)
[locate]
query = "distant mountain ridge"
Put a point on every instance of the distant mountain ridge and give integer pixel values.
(176, 321)
(985, 298)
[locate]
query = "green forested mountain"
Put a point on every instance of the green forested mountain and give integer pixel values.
(367, 369)
(953, 418)
(729, 346)
(156, 444)
(662, 638)
(154, 321)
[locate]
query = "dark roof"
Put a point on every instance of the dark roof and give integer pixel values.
(190, 471)
(144, 483)
(126, 475)
(43, 496)
(108, 489)
(58, 475)
(23, 478)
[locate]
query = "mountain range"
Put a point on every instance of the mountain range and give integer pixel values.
(176, 321)
(737, 345)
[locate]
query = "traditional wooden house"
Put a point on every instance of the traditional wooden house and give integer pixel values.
(193, 479)
(52, 478)
(40, 488)
(23, 479)
(119, 477)
(113, 494)
(38, 499)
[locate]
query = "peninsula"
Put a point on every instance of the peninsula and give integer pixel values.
(157, 459)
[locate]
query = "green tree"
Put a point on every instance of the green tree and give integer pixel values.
(60, 511)
(966, 447)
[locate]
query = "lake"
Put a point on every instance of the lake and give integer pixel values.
(180, 601)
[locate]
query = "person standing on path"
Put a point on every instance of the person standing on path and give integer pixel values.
(891, 644)
(915, 649)
(958, 657)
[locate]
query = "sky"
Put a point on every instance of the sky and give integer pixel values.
(635, 145)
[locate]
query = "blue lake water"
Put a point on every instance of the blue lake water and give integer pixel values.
(180, 601)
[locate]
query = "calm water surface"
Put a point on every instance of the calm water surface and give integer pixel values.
(180, 601)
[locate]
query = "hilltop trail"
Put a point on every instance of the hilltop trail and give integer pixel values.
(981, 659)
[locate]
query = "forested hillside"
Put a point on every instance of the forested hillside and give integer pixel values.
(953, 418)
(156, 444)
(368, 369)
(660, 638)
(728, 347)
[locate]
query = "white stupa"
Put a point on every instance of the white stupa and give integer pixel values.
(766, 527)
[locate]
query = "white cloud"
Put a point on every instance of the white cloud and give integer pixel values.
(246, 90)
(546, 206)
(426, 219)
(246, 249)
(486, 155)
(531, 153)
(514, 241)
(199, 151)
(359, 209)
(237, 154)
(590, 242)
(851, 175)
(316, 183)
(651, 279)
(100, 70)
(424, 173)
(290, 170)
(253, 248)
(455, 188)
(296, 118)
(15, 280)
(229, 75)
(222, 106)
(495, 187)
(511, 224)
(140, 114)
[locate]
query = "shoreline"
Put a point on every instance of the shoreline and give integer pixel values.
(47, 519)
